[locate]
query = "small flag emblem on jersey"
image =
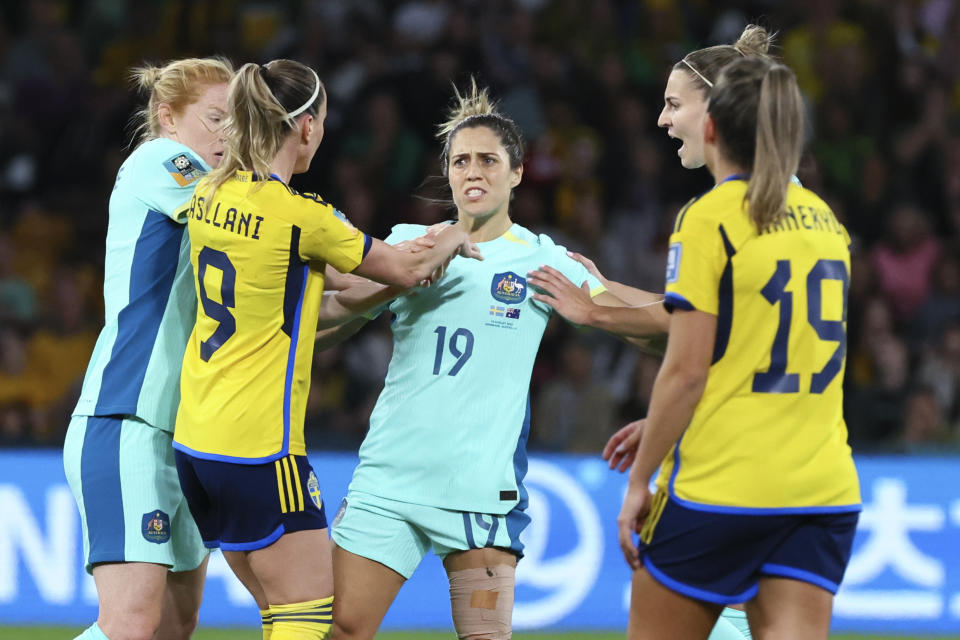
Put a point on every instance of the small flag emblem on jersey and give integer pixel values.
(182, 169)
(313, 488)
(156, 527)
(673, 262)
(513, 312)
(497, 311)
(508, 287)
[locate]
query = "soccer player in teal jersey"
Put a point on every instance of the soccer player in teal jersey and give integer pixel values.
(140, 542)
(685, 105)
(442, 466)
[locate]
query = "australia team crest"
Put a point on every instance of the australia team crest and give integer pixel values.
(508, 287)
(156, 527)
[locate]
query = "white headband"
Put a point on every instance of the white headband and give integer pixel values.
(700, 75)
(306, 105)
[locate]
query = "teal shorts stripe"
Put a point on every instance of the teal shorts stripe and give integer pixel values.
(102, 496)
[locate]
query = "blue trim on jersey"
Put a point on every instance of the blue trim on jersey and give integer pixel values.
(694, 592)
(152, 272)
(754, 511)
(676, 466)
(293, 282)
(216, 457)
(799, 574)
(272, 537)
(291, 364)
(367, 244)
(724, 301)
(101, 488)
(520, 521)
(673, 301)
(735, 176)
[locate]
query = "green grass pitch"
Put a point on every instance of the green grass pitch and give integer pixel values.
(67, 633)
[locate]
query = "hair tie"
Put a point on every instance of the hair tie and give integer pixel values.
(306, 105)
(700, 75)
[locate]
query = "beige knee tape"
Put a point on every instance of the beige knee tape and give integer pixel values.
(482, 602)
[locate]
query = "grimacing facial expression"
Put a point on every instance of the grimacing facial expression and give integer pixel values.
(199, 124)
(684, 110)
(479, 173)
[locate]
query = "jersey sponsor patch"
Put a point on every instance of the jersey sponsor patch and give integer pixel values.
(183, 169)
(313, 488)
(673, 262)
(156, 527)
(508, 287)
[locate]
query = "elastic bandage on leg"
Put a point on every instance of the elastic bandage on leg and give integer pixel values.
(481, 601)
(302, 620)
(266, 623)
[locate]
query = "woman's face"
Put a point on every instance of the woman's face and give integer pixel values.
(479, 173)
(684, 109)
(198, 125)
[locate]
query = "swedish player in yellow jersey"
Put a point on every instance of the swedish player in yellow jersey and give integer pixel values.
(260, 251)
(685, 105)
(757, 496)
(140, 542)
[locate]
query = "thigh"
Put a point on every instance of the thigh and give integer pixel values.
(130, 594)
(364, 589)
(482, 585)
(298, 567)
(657, 612)
(181, 602)
(786, 609)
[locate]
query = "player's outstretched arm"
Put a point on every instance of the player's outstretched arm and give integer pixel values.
(631, 295)
(389, 265)
(605, 311)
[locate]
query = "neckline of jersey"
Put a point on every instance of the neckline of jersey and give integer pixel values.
(500, 237)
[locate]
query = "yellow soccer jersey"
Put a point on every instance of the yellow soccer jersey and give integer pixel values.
(768, 433)
(258, 257)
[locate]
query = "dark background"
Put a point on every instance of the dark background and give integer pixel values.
(584, 79)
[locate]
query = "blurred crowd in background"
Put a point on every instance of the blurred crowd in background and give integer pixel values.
(584, 80)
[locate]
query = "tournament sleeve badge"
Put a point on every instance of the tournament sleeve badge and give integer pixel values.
(183, 169)
(673, 262)
(508, 287)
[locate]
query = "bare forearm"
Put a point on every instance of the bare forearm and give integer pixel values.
(631, 295)
(331, 337)
(631, 322)
(341, 306)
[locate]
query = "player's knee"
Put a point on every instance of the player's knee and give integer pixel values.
(481, 601)
(349, 629)
(182, 627)
(139, 624)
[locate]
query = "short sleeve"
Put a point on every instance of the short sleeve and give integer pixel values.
(164, 179)
(695, 263)
(330, 237)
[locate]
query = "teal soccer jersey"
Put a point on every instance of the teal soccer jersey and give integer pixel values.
(450, 427)
(149, 299)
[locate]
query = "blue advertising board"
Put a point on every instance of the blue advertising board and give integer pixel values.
(904, 575)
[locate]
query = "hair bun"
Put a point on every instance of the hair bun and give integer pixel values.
(754, 41)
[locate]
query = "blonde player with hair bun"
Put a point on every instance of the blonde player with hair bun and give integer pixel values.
(140, 542)
(757, 495)
(443, 463)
